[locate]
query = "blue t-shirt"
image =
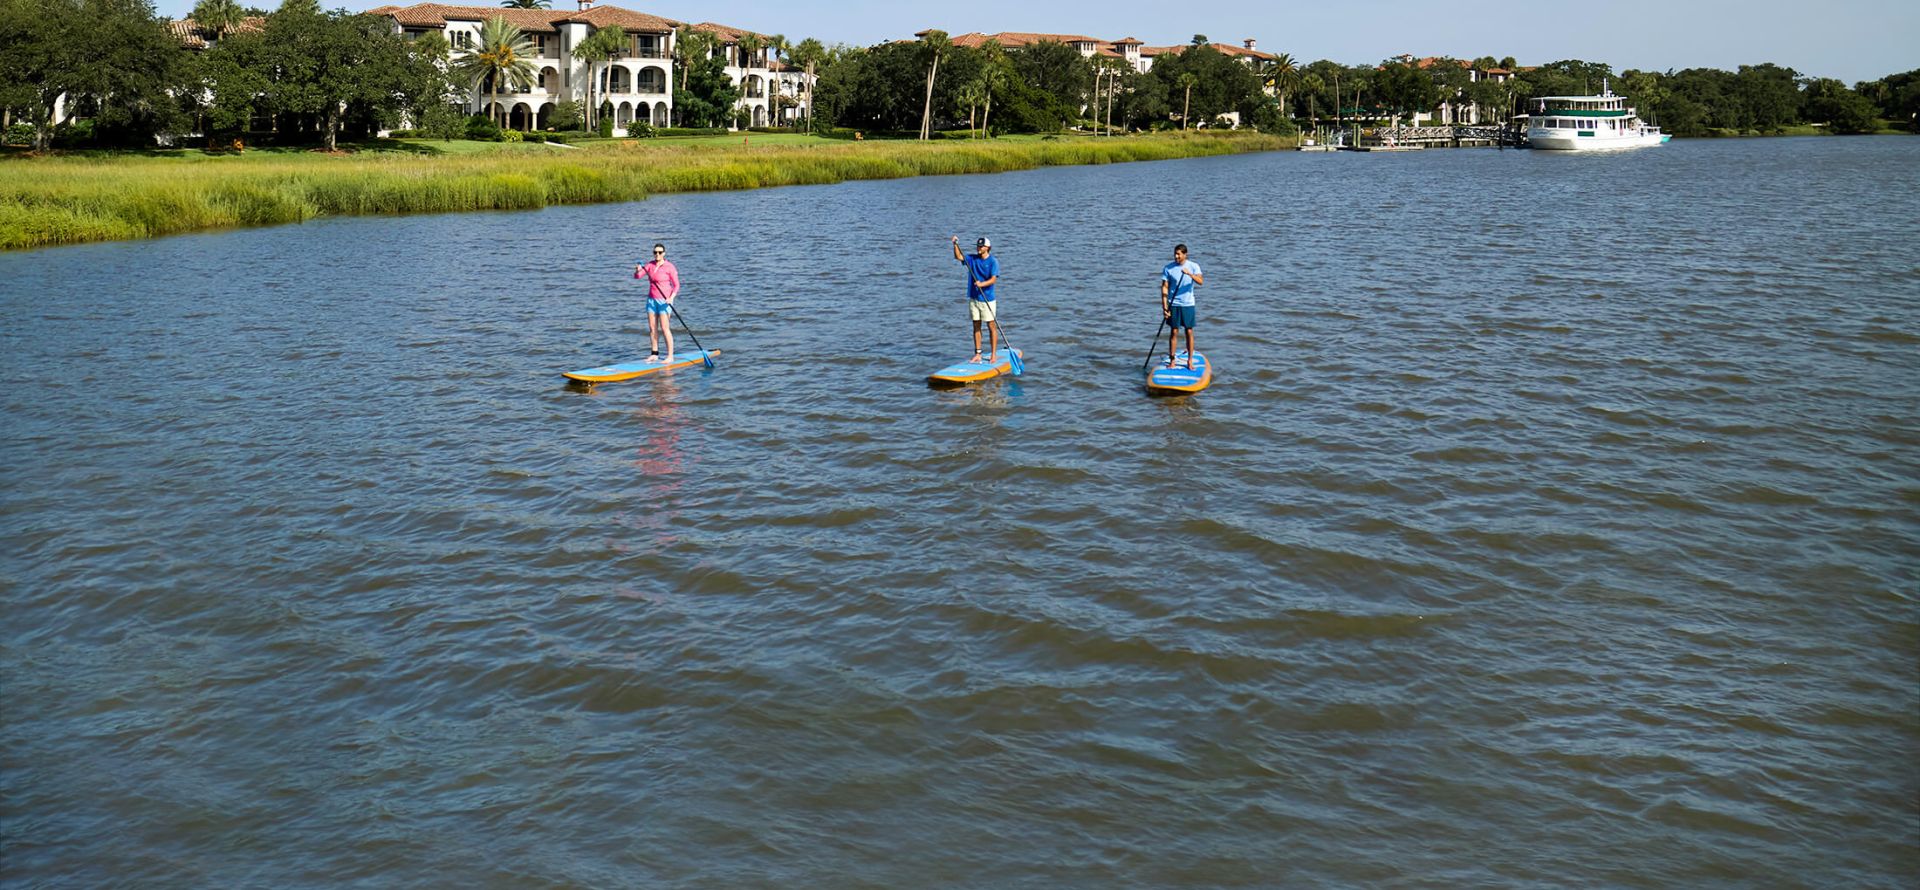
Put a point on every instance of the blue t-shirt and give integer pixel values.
(1180, 282)
(980, 269)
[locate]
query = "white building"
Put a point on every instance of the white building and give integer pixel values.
(638, 83)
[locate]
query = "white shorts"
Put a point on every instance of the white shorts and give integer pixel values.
(983, 310)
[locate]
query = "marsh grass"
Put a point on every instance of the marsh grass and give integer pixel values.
(69, 200)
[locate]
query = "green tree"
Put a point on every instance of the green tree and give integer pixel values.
(231, 79)
(220, 17)
(935, 42)
(504, 56)
(749, 47)
(972, 94)
(111, 60)
(332, 66)
(1405, 89)
(1830, 102)
(1050, 86)
(706, 96)
(809, 54)
(603, 45)
(1187, 81)
(306, 7)
(438, 104)
(1771, 95)
(995, 73)
(1283, 76)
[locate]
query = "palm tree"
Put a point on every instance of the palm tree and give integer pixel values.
(690, 48)
(971, 95)
(600, 46)
(993, 75)
(308, 7)
(527, 4)
(504, 54)
(1313, 85)
(808, 53)
(935, 40)
(218, 17)
(1285, 76)
(777, 49)
(1186, 81)
(748, 46)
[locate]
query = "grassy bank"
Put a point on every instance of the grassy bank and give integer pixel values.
(66, 200)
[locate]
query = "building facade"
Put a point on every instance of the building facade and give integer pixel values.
(637, 83)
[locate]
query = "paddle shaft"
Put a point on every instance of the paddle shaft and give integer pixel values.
(704, 357)
(1155, 347)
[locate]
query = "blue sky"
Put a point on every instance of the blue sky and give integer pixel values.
(1850, 39)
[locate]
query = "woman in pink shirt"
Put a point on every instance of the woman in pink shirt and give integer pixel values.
(663, 283)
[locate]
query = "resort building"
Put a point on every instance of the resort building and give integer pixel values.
(1127, 49)
(637, 83)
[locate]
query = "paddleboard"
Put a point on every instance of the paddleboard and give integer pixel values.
(630, 370)
(973, 372)
(1165, 381)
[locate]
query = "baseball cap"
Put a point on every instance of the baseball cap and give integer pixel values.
(984, 242)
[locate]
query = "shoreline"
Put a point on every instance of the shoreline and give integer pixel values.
(65, 200)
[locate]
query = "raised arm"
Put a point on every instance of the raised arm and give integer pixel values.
(956, 250)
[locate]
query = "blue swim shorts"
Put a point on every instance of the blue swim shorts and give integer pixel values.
(658, 307)
(1180, 317)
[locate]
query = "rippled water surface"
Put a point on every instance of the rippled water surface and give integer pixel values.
(1551, 520)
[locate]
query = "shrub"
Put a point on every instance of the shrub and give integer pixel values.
(18, 134)
(511, 136)
(639, 130)
(606, 127)
(689, 131)
(560, 138)
(482, 129)
(567, 115)
(536, 137)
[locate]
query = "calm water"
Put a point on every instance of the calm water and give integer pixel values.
(1552, 521)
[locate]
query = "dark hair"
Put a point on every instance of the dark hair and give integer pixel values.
(658, 246)
(1180, 248)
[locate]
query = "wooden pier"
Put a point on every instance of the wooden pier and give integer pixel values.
(1454, 136)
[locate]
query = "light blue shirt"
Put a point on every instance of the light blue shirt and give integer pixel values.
(1179, 279)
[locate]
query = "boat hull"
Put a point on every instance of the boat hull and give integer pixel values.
(1562, 141)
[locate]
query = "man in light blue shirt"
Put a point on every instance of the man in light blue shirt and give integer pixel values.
(983, 272)
(1177, 282)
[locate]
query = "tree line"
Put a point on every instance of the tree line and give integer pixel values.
(1764, 98)
(322, 75)
(1043, 87)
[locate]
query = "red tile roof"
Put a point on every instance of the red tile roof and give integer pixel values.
(726, 33)
(192, 36)
(436, 15)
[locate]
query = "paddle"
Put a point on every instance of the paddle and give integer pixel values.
(1155, 345)
(706, 358)
(1013, 355)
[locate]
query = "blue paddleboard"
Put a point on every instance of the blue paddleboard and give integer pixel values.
(630, 370)
(971, 372)
(1162, 380)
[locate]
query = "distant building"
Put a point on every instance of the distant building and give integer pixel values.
(638, 83)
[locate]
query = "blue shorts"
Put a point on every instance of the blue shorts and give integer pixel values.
(658, 307)
(1180, 317)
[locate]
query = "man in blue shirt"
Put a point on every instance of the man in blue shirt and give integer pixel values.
(983, 272)
(1177, 281)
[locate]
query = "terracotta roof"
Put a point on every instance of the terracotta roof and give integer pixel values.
(192, 36)
(436, 15)
(727, 34)
(1016, 39)
(1128, 41)
(1241, 51)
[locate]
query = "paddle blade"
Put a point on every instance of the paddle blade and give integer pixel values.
(1019, 364)
(706, 358)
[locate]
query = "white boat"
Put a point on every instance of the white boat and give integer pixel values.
(1588, 123)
